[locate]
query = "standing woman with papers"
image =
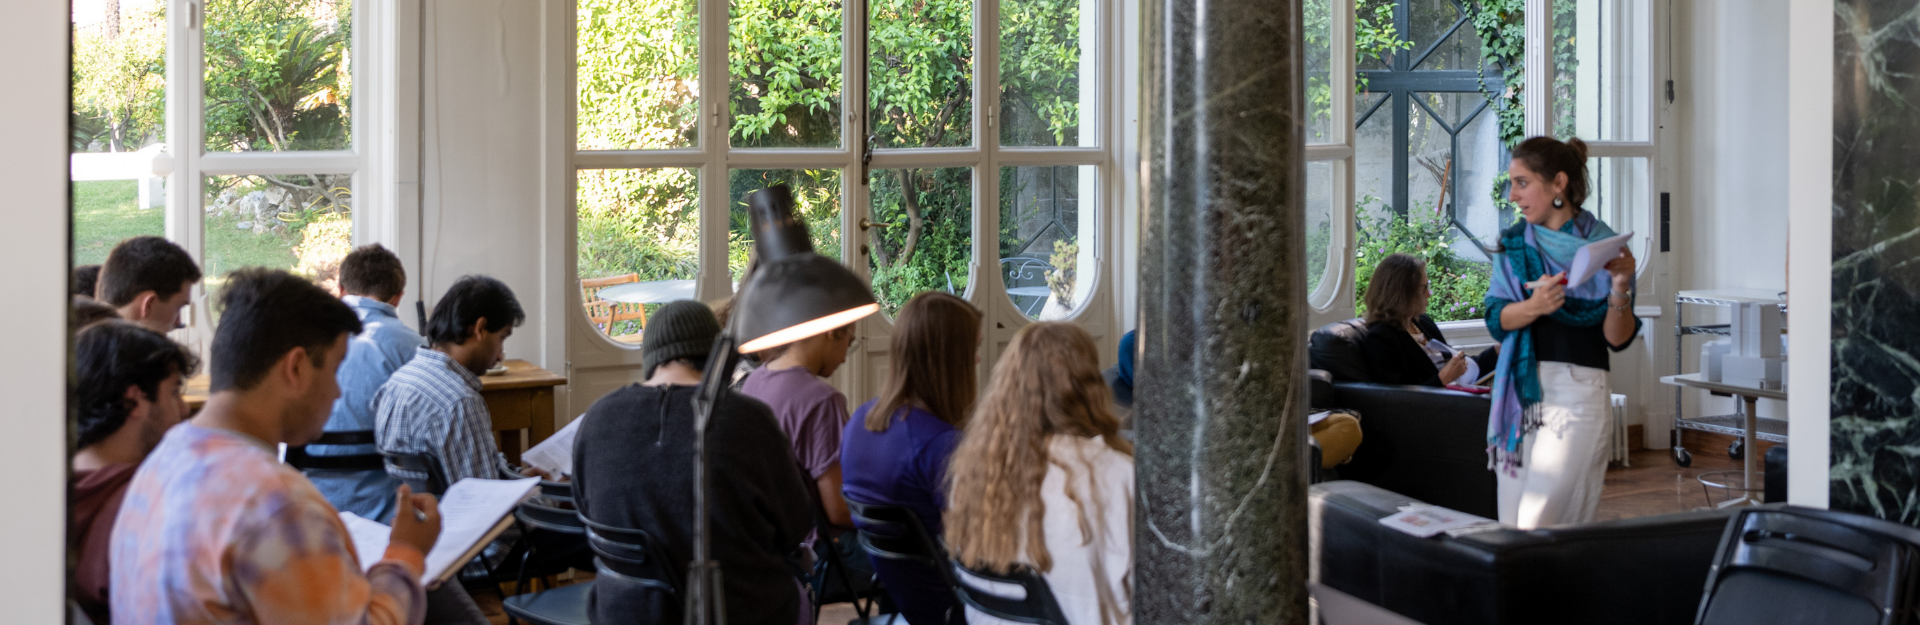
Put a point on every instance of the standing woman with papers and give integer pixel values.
(1547, 434)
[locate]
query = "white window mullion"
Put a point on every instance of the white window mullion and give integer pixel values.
(989, 294)
(279, 163)
(186, 132)
(855, 200)
(714, 281)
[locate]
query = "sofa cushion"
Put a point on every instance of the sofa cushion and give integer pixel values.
(1319, 389)
(1335, 348)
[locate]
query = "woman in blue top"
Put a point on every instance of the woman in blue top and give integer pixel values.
(1547, 434)
(895, 448)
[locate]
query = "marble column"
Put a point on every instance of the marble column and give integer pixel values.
(1876, 239)
(1220, 534)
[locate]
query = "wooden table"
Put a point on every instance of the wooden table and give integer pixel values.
(520, 400)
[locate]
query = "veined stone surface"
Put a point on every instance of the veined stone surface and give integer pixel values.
(1220, 534)
(1875, 432)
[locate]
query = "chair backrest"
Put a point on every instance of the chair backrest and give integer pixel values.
(559, 491)
(298, 458)
(546, 518)
(1798, 565)
(600, 312)
(1335, 348)
(896, 533)
(590, 287)
(1035, 604)
(633, 555)
(420, 471)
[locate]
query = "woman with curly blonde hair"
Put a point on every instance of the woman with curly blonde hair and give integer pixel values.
(1042, 478)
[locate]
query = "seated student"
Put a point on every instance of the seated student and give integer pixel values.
(1403, 345)
(87, 311)
(633, 468)
(895, 449)
(86, 278)
(127, 394)
(371, 283)
(148, 279)
(1043, 455)
(432, 405)
(810, 411)
(214, 529)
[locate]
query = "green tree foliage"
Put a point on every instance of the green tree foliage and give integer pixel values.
(119, 77)
(277, 74)
(1458, 285)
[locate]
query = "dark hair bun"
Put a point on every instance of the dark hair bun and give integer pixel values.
(1579, 148)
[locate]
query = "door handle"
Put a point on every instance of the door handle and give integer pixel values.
(868, 225)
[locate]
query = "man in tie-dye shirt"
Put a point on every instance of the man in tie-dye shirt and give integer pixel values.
(214, 529)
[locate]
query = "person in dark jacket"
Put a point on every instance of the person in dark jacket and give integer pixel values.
(633, 469)
(1403, 345)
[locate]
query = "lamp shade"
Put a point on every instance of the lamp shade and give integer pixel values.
(795, 297)
(777, 232)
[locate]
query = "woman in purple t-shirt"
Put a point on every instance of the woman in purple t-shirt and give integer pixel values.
(896, 447)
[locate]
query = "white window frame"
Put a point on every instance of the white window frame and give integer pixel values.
(714, 157)
(186, 162)
(1337, 281)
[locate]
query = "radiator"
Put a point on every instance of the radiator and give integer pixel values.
(1620, 442)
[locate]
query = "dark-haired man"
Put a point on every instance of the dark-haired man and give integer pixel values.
(127, 395)
(148, 279)
(86, 280)
(214, 529)
(432, 406)
(371, 283)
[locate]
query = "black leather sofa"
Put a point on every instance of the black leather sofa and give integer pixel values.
(1427, 443)
(1647, 571)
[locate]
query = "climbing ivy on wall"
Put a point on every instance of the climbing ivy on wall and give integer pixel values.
(1501, 25)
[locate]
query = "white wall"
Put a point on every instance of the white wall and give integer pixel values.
(1727, 174)
(487, 189)
(33, 376)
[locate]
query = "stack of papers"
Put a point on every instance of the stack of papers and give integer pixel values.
(555, 455)
(472, 514)
(1593, 258)
(1424, 521)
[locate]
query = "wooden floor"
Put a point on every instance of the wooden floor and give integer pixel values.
(1652, 485)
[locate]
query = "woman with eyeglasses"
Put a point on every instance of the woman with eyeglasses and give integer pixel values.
(1403, 345)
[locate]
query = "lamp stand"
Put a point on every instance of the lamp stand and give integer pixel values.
(705, 599)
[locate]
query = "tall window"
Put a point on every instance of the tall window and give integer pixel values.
(228, 127)
(900, 132)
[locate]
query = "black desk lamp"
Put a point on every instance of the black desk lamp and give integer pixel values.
(793, 295)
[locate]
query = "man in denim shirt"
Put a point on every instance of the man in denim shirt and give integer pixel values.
(371, 281)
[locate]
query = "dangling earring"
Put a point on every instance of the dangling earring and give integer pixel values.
(1558, 204)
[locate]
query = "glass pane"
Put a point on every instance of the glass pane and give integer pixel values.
(300, 223)
(927, 241)
(1044, 97)
(640, 227)
(1374, 35)
(784, 60)
(639, 74)
(1622, 197)
(278, 75)
(1319, 222)
(1373, 164)
(1601, 52)
(1319, 68)
(119, 76)
(1434, 19)
(920, 78)
(1047, 265)
(816, 196)
(106, 212)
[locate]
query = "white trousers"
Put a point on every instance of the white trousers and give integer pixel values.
(1564, 463)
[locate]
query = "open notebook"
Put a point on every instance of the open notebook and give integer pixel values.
(472, 514)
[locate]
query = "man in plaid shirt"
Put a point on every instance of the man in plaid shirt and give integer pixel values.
(432, 405)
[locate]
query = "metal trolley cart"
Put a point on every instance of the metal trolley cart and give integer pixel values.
(1770, 429)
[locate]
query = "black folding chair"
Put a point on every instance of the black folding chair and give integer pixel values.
(1800, 565)
(896, 533)
(552, 540)
(830, 566)
(1034, 605)
(420, 471)
(631, 558)
(298, 458)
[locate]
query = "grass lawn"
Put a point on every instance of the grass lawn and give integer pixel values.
(104, 215)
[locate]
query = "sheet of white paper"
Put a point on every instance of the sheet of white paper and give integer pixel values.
(1594, 257)
(468, 512)
(1424, 521)
(1316, 418)
(555, 455)
(369, 538)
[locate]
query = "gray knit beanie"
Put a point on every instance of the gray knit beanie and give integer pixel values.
(682, 329)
